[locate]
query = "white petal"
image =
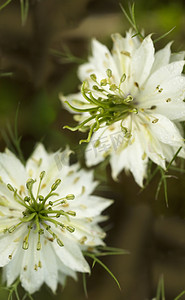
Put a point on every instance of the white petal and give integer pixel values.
(85, 70)
(130, 159)
(162, 58)
(9, 244)
(174, 110)
(103, 60)
(12, 270)
(64, 271)
(142, 61)
(92, 233)
(166, 131)
(71, 255)
(31, 279)
(89, 206)
(75, 181)
(163, 74)
(49, 266)
(9, 166)
(177, 56)
(173, 89)
(109, 139)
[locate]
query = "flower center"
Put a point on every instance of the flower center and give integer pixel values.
(40, 211)
(110, 105)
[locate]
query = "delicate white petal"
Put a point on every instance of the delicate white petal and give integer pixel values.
(9, 245)
(71, 255)
(50, 266)
(90, 207)
(173, 110)
(102, 59)
(166, 131)
(130, 158)
(9, 165)
(163, 74)
(177, 56)
(142, 61)
(162, 58)
(31, 276)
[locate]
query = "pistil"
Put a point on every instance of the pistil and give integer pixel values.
(105, 110)
(38, 212)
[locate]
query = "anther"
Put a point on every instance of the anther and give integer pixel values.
(55, 185)
(29, 183)
(25, 245)
(70, 197)
(155, 121)
(41, 231)
(42, 175)
(39, 264)
(103, 82)
(10, 187)
(109, 73)
(71, 213)
(27, 199)
(41, 198)
(39, 246)
(60, 243)
(12, 229)
(70, 228)
(93, 77)
(123, 77)
(113, 87)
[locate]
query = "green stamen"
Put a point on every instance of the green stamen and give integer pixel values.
(38, 213)
(114, 105)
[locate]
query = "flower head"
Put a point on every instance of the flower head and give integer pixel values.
(47, 217)
(131, 102)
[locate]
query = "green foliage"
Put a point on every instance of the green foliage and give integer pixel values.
(24, 9)
(67, 56)
(103, 251)
(161, 291)
(13, 292)
(164, 176)
(132, 20)
(12, 138)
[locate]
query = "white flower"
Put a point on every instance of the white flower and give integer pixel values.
(47, 217)
(132, 100)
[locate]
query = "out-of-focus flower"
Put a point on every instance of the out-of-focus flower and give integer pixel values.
(131, 102)
(47, 217)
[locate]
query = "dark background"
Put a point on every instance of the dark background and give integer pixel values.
(33, 53)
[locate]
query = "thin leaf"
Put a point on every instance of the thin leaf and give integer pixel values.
(24, 10)
(164, 35)
(67, 56)
(126, 15)
(104, 266)
(5, 4)
(175, 156)
(6, 74)
(160, 289)
(106, 248)
(84, 285)
(177, 169)
(179, 296)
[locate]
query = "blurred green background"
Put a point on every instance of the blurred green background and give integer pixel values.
(34, 54)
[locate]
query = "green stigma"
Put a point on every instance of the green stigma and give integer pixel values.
(40, 211)
(110, 106)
